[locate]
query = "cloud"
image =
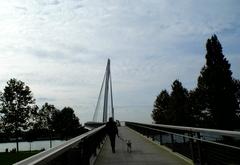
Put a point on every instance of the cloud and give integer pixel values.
(49, 2)
(60, 48)
(21, 8)
(78, 6)
(45, 99)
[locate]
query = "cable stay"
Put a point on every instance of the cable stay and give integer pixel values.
(104, 104)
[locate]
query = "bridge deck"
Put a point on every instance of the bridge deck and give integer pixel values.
(143, 152)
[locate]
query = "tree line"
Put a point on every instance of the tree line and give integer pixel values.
(22, 119)
(214, 103)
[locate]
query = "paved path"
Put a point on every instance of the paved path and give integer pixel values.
(143, 152)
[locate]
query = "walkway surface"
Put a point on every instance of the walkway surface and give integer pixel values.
(144, 152)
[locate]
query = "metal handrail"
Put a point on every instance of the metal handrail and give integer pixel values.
(193, 138)
(194, 142)
(194, 129)
(52, 153)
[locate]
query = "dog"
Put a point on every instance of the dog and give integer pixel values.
(128, 142)
(129, 146)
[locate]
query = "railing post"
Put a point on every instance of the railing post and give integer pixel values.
(160, 138)
(196, 151)
(153, 136)
(190, 134)
(200, 158)
(80, 146)
(184, 140)
(194, 146)
(172, 140)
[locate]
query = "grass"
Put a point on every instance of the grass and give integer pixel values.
(10, 158)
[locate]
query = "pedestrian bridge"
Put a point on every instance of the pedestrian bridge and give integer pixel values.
(144, 152)
(151, 144)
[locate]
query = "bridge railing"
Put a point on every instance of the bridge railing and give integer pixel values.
(78, 150)
(203, 146)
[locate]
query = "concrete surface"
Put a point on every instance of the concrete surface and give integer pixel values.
(144, 152)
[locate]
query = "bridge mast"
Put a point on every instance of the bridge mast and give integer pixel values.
(105, 105)
(111, 96)
(105, 89)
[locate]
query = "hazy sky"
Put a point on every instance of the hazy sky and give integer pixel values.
(60, 48)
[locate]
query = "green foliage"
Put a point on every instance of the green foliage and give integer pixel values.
(20, 117)
(161, 106)
(237, 94)
(173, 109)
(44, 119)
(53, 123)
(197, 107)
(65, 123)
(17, 106)
(215, 103)
(179, 112)
(216, 84)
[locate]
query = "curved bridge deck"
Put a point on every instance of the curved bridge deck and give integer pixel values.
(144, 152)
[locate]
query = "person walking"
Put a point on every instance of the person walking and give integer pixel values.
(112, 131)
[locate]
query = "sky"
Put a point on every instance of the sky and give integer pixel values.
(59, 48)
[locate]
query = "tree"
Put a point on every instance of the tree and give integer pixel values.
(17, 106)
(174, 108)
(161, 107)
(216, 84)
(44, 120)
(65, 123)
(178, 107)
(45, 114)
(237, 94)
(197, 109)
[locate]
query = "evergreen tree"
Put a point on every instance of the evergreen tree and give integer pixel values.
(237, 94)
(160, 111)
(216, 84)
(178, 108)
(17, 107)
(197, 109)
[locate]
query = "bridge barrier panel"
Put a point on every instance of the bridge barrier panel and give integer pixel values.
(75, 151)
(203, 146)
